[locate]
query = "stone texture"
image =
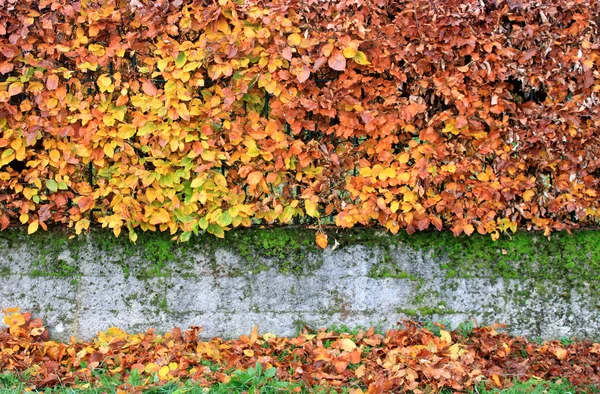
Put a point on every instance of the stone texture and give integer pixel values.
(216, 289)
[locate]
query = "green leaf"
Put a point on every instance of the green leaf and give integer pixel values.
(146, 129)
(269, 373)
(185, 236)
(225, 219)
(7, 153)
(52, 185)
(203, 223)
(181, 59)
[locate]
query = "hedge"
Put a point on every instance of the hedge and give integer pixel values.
(185, 116)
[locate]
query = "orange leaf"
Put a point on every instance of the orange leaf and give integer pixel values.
(149, 88)
(321, 240)
(468, 229)
(340, 366)
(254, 177)
(85, 203)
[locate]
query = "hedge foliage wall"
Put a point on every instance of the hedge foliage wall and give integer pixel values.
(207, 115)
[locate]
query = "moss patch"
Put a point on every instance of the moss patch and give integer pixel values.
(575, 258)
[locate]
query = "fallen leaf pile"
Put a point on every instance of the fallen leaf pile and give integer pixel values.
(409, 358)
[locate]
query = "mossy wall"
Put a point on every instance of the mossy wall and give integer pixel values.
(278, 279)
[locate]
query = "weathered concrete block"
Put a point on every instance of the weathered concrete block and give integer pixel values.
(278, 280)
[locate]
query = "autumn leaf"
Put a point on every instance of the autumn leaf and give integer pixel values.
(311, 208)
(149, 88)
(15, 88)
(85, 203)
(33, 226)
(337, 61)
(52, 82)
(254, 177)
(294, 40)
(528, 195)
(321, 240)
(360, 58)
(346, 344)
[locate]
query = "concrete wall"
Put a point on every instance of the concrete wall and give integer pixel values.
(82, 286)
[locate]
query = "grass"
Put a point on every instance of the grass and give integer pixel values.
(538, 387)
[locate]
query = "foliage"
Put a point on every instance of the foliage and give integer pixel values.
(411, 358)
(188, 116)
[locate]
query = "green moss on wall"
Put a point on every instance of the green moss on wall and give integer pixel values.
(573, 257)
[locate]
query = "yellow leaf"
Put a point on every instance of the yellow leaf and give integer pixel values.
(496, 380)
(404, 177)
(365, 172)
(253, 150)
(163, 373)
(445, 335)
(560, 353)
(88, 66)
(455, 351)
(268, 336)
(311, 208)
(403, 157)
(33, 226)
(394, 206)
(81, 225)
(24, 218)
(361, 59)
(159, 217)
(29, 193)
(15, 88)
(54, 155)
(109, 150)
(528, 195)
(387, 173)
(451, 168)
(349, 52)
(97, 49)
(483, 177)
(321, 240)
(468, 229)
(347, 344)
(360, 372)
(410, 196)
(294, 40)
(105, 83)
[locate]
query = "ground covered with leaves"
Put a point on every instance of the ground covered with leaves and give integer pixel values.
(411, 358)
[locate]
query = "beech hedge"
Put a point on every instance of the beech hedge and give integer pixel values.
(185, 116)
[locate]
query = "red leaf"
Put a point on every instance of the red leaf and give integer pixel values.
(149, 88)
(52, 82)
(337, 61)
(85, 203)
(4, 222)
